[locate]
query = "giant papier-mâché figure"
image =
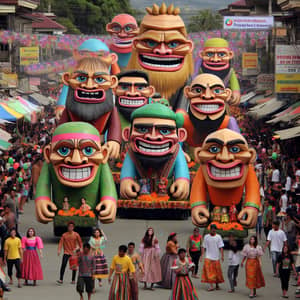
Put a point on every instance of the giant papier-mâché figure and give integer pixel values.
(133, 91)
(155, 151)
(123, 29)
(90, 99)
(90, 47)
(216, 59)
(225, 171)
(163, 50)
(207, 108)
(75, 167)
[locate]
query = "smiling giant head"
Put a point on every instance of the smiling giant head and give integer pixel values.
(75, 153)
(225, 158)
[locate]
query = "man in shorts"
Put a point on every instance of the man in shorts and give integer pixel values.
(86, 269)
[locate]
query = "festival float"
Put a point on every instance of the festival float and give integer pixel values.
(75, 182)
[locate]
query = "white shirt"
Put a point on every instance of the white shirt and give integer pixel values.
(275, 175)
(277, 239)
(284, 200)
(234, 258)
(212, 245)
(288, 184)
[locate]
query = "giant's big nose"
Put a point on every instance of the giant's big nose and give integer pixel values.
(162, 49)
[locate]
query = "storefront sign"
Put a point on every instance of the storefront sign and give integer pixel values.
(260, 23)
(250, 63)
(287, 83)
(287, 59)
(265, 82)
(29, 55)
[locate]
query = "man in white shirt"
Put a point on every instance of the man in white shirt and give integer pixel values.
(277, 239)
(212, 246)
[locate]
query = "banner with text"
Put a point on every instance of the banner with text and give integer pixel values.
(260, 23)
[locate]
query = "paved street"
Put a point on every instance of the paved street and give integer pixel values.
(121, 232)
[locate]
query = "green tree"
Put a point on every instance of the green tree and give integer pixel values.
(205, 20)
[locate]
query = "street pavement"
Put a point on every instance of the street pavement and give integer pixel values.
(122, 232)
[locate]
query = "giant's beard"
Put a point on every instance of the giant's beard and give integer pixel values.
(221, 74)
(166, 83)
(207, 125)
(88, 112)
(152, 162)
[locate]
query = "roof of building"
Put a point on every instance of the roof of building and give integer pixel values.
(46, 22)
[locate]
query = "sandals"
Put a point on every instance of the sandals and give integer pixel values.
(210, 289)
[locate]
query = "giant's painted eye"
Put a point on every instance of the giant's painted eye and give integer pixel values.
(124, 87)
(234, 149)
(81, 78)
(221, 54)
(197, 90)
(164, 131)
(142, 129)
(140, 88)
(99, 80)
(88, 151)
(151, 43)
(127, 28)
(218, 91)
(210, 54)
(173, 44)
(214, 149)
(116, 28)
(64, 151)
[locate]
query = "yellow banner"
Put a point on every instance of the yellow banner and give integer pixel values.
(11, 79)
(287, 83)
(250, 60)
(29, 55)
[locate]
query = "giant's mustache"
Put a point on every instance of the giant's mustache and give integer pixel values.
(89, 111)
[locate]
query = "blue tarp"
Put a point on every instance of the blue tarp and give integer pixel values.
(6, 116)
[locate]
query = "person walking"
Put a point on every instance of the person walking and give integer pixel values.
(194, 249)
(285, 263)
(97, 243)
(70, 241)
(276, 239)
(150, 250)
(139, 269)
(254, 276)
(268, 217)
(234, 258)
(168, 275)
(85, 271)
(31, 265)
(183, 287)
(124, 270)
(13, 255)
(212, 247)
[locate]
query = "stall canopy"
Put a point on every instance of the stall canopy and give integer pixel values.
(288, 133)
(4, 145)
(18, 107)
(287, 115)
(9, 114)
(4, 135)
(42, 100)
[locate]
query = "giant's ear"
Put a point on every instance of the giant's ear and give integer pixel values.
(149, 91)
(182, 134)
(135, 41)
(253, 155)
(186, 91)
(230, 54)
(190, 45)
(201, 54)
(104, 152)
(107, 27)
(228, 93)
(114, 81)
(196, 154)
(66, 78)
(126, 134)
(114, 58)
(46, 152)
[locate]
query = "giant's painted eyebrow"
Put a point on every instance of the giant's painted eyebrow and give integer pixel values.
(234, 142)
(100, 73)
(170, 127)
(198, 85)
(139, 125)
(81, 72)
(217, 85)
(87, 142)
(70, 143)
(215, 140)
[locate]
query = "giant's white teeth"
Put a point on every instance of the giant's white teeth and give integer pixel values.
(233, 172)
(208, 107)
(161, 66)
(145, 147)
(76, 174)
(160, 58)
(170, 62)
(131, 102)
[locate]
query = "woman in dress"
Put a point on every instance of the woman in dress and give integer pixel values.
(31, 265)
(149, 250)
(254, 276)
(168, 275)
(97, 243)
(183, 287)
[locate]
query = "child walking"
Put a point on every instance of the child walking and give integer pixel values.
(234, 259)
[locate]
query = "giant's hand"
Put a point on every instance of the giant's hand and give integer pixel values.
(235, 98)
(113, 148)
(129, 188)
(200, 215)
(44, 210)
(58, 112)
(180, 189)
(251, 217)
(107, 210)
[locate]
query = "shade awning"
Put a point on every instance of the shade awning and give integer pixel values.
(4, 145)
(265, 109)
(40, 99)
(287, 115)
(288, 133)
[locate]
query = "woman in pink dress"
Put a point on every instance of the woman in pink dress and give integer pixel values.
(149, 250)
(31, 265)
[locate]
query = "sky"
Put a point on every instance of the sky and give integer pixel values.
(187, 4)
